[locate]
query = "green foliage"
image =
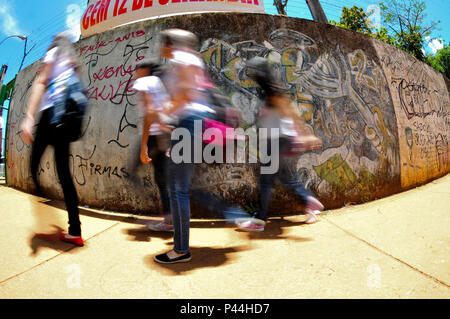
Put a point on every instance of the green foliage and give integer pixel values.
(411, 42)
(405, 20)
(382, 34)
(441, 61)
(354, 19)
(404, 27)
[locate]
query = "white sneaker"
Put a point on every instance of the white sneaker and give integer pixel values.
(161, 226)
(250, 224)
(311, 217)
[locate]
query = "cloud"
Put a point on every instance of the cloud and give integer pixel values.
(73, 21)
(435, 45)
(9, 25)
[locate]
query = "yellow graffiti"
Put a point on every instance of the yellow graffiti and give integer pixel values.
(358, 60)
(214, 52)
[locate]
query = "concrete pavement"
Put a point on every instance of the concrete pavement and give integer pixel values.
(396, 247)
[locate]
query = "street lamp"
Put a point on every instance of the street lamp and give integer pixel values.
(21, 37)
(25, 52)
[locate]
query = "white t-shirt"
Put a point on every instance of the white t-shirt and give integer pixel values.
(154, 86)
(61, 72)
(198, 80)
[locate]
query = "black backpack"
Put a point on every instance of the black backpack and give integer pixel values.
(69, 111)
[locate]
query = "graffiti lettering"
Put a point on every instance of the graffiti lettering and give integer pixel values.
(114, 93)
(101, 44)
(110, 71)
(83, 167)
(417, 100)
(124, 123)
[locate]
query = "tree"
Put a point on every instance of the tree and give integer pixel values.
(405, 19)
(357, 19)
(404, 25)
(280, 5)
(382, 34)
(441, 61)
(354, 19)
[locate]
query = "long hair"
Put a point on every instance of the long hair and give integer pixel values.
(65, 49)
(259, 70)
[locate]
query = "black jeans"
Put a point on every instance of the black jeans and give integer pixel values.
(45, 135)
(157, 153)
(286, 175)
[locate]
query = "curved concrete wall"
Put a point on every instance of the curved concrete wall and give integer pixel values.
(383, 115)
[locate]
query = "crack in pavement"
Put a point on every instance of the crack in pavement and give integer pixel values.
(387, 254)
(57, 255)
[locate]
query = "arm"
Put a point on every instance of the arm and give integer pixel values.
(288, 110)
(37, 91)
(149, 118)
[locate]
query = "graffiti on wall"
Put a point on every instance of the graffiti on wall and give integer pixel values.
(423, 118)
(343, 98)
(109, 70)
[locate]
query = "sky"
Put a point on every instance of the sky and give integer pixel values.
(40, 20)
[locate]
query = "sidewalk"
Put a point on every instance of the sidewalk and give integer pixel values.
(397, 247)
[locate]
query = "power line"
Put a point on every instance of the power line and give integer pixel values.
(42, 35)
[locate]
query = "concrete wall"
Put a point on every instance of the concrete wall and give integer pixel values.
(383, 115)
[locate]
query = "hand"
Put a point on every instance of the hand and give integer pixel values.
(310, 142)
(144, 156)
(313, 143)
(27, 130)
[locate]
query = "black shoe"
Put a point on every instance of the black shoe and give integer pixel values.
(164, 259)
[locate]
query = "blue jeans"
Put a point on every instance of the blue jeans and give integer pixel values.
(179, 181)
(180, 178)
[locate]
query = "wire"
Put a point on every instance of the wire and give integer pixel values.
(41, 36)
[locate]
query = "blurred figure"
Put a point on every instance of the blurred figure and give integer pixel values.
(184, 78)
(155, 138)
(187, 83)
(292, 136)
(60, 74)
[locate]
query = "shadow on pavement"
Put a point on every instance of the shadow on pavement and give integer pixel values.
(202, 257)
(86, 212)
(274, 229)
(144, 234)
(49, 240)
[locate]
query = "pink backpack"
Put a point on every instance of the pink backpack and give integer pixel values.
(220, 135)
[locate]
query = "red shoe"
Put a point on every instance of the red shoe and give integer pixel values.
(76, 240)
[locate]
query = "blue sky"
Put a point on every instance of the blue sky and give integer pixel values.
(40, 20)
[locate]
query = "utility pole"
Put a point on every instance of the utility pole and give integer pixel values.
(25, 53)
(2, 74)
(317, 11)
